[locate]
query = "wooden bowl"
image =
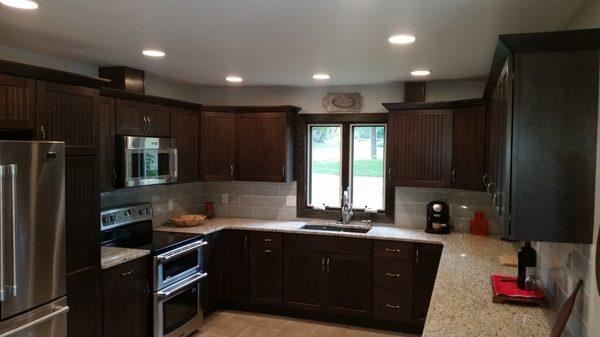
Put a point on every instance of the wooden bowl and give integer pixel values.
(188, 220)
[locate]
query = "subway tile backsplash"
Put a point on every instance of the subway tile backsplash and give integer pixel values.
(411, 210)
(244, 199)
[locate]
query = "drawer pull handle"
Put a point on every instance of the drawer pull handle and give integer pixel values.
(392, 275)
(127, 273)
(391, 250)
(267, 240)
(392, 306)
(267, 250)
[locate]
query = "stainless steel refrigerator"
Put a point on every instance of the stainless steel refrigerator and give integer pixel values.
(33, 300)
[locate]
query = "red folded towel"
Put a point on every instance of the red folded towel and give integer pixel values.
(506, 285)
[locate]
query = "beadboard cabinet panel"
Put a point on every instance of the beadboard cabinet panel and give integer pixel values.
(17, 103)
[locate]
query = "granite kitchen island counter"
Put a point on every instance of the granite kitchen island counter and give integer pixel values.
(461, 304)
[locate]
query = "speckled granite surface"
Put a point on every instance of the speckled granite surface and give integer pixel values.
(461, 303)
(112, 256)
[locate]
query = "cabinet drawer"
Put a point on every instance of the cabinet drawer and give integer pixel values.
(328, 244)
(393, 273)
(266, 240)
(393, 305)
(393, 249)
(124, 273)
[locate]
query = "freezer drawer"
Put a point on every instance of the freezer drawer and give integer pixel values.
(49, 320)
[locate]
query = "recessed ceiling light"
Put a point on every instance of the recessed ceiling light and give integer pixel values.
(20, 4)
(153, 53)
(401, 39)
(234, 79)
(321, 76)
(420, 72)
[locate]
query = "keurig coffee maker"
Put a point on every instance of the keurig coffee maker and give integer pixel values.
(438, 218)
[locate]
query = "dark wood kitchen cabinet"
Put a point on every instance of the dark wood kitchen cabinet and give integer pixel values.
(248, 143)
(185, 128)
(212, 293)
(17, 103)
(265, 269)
(427, 260)
(420, 147)
(468, 148)
(543, 100)
(134, 118)
(70, 114)
(320, 273)
(235, 267)
(217, 143)
(108, 173)
(84, 294)
(264, 143)
(126, 299)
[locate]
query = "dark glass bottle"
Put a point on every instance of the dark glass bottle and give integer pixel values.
(527, 263)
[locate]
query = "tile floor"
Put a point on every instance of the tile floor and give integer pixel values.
(240, 324)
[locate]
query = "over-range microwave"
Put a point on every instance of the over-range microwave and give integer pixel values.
(146, 161)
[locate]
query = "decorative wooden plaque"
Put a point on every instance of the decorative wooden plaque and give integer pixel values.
(343, 102)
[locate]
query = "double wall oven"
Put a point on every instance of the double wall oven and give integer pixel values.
(177, 267)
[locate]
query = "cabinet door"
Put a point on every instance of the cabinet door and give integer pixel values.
(303, 280)
(218, 145)
(420, 148)
(468, 148)
(108, 174)
(125, 310)
(265, 276)
(84, 318)
(131, 118)
(185, 129)
(427, 259)
(349, 285)
(82, 212)
(235, 266)
(261, 146)
(70, 114)
(17, 103)
(159, 120)
(213, 287)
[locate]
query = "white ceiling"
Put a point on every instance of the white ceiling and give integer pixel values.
(281, 42)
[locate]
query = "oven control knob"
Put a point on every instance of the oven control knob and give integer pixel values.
(112, 218)
(127, 213)
(142, 211)
(105, 219)
(147, 210)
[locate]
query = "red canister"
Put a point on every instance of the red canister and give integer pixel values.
(479, 224)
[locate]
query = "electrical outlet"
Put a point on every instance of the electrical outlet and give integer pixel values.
(224, 198)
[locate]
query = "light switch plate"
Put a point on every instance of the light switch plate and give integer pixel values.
(224, 198)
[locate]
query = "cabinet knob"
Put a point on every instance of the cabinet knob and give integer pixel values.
(267, 251)
(392, 275)
(392, 306)
(231, 170)
(392, 250)
(43, 132)
(453, 176)
(127, 273)
(267, 240)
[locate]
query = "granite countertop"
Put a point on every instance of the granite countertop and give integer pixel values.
(461, 304)
(112, 256)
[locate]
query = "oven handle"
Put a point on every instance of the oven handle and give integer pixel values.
(170, 292)
(164, 258)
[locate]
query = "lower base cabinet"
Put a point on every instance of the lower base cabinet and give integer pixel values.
(84, 318)
(426, 267)
(126, 300)
(265, 276)
(212, 288)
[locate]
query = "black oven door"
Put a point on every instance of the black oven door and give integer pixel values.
(178, 309)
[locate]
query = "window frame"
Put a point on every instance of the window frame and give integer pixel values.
(351, 167)
(302, 152)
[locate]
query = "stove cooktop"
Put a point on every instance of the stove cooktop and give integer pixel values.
(156, 242)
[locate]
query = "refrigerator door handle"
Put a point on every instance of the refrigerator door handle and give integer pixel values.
(60, 311)
(12, 168)
(2, 174)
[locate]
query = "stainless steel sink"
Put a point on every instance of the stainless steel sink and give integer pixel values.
(337, 228)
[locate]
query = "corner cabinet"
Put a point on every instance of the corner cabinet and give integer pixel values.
(543, 129)
(248, 143)
(437, 144)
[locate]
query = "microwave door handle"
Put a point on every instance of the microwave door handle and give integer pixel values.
(168, 293)
(13, 192)
(175, 163)
(2, 174)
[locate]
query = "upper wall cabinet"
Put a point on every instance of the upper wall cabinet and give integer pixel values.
(543, 102)
(248, 143)
(70, 114)
(185, 128)
(17, 103)
(108, 173)
(468, 148)
(136, 118)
